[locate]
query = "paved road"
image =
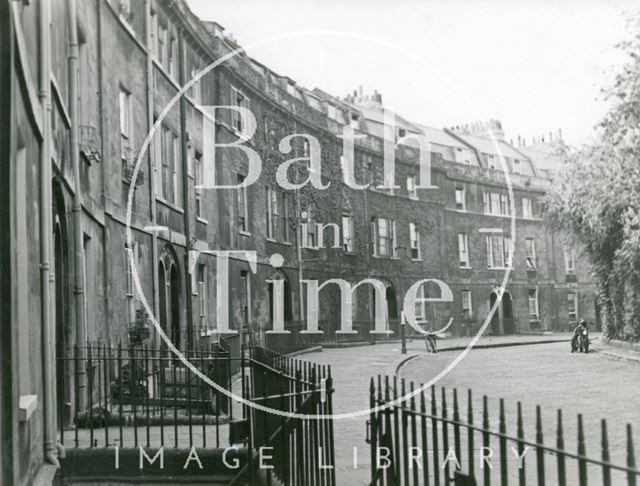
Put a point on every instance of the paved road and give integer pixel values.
(547, 374)
(595, 385)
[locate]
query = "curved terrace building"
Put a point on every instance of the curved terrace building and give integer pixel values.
(84, 93)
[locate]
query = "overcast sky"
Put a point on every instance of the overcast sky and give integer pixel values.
(535, 65)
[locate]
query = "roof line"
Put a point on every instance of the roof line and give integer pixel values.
(464, 142)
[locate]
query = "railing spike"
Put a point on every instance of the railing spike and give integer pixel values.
(582, 465)
(486, 437)
(540, 449)
(502, 427)
(631, 458)
(604, 442)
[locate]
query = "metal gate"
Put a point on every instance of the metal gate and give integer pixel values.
(300, 450)
(430, 438)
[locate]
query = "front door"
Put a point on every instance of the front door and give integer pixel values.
(507, 314)
(495, 320)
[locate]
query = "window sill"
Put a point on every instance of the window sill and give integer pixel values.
(465, 267)
(202, 220)
(169, 205)
(416, 259)
(244, 233)
(27, 404)
(278, 242)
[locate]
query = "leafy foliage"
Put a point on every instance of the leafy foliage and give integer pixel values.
(596, 198)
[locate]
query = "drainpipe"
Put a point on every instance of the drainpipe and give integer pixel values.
(77, 202)
(367, 260)
(46, 277)
(152, 161)
(299, 256)
(186, 197)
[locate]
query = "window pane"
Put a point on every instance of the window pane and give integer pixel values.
(495, 203)
(460, 198)
(498, 251)
(572, 305)
(533, 302)
(466, 300)
(463, 253)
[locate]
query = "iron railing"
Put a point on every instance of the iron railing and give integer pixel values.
(301, 449)
(430, 440)
(144, 396)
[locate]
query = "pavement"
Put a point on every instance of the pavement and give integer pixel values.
(620, 349)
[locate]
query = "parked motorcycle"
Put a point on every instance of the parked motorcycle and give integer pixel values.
(580, 339)
(583, 341)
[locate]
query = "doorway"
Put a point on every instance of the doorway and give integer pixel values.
(495, 319)
(169, 297)
(162, 299)
(502, 321)
(507, 314)
(63, 373)
(174, 309)
(64, 335)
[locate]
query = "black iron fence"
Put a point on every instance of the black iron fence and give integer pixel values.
(431, 439)
(144, 396)
(300, 449)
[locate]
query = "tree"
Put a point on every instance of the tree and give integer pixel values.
(596, 197)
